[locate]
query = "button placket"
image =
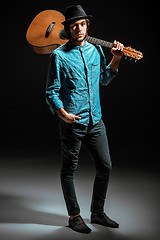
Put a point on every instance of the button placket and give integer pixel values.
(88, 79)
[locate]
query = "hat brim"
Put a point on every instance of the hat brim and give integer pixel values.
(77, 18)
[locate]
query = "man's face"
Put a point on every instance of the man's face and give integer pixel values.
(78, 30)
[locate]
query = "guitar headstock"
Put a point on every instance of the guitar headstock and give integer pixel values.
(132, 53)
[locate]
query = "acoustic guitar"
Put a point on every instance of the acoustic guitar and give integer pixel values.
(46, 33)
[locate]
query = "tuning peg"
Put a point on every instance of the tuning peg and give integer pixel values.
(135, 60)
(130, 59)
(125, 58)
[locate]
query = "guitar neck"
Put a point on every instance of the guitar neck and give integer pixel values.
(99, 42)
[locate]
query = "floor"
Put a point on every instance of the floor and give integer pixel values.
(32, 205)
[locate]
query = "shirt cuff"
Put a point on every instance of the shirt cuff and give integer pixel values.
(111, 72)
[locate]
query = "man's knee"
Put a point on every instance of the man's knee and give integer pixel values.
(68, 169)
(105, 167)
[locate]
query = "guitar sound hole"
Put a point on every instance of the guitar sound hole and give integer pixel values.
(49, 29)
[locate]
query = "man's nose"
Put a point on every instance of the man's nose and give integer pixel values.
(79, 27)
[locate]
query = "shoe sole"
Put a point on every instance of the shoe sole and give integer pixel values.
(86, 232)
(96, 222)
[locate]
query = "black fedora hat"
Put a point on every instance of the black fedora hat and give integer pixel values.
(73, 13)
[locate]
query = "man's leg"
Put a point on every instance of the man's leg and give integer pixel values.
(71, 138)
(70, 147)
(97, 144)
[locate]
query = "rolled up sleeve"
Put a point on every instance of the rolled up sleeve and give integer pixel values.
(106, 73)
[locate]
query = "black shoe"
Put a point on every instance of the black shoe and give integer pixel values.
(77, 224)
(104, 220)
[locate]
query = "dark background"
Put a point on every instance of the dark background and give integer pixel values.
(129, 103)
(31, 201)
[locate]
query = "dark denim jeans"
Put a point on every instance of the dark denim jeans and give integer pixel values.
(95, 139)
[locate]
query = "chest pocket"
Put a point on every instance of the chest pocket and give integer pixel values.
(95, 70)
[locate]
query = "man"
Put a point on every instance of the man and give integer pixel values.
(76, 68)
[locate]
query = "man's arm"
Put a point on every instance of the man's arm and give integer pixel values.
(53, 85)
(52, 91)
(117, 55)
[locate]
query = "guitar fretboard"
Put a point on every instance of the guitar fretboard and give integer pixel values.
(100, 42)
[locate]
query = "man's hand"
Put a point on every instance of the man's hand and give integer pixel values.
(71, 118)
(117, 55)
(117, 49)
(68, 117)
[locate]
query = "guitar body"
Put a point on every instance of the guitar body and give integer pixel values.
(44, 31)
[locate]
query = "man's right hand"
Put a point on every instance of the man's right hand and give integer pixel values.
(67, 117)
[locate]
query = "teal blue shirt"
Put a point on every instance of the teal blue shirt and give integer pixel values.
(73, 80)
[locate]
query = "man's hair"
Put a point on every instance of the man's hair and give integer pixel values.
(67, 27)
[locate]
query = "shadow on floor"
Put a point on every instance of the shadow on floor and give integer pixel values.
(13, 210)
(18, 220)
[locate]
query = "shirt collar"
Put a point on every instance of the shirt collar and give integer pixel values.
(72, 46)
